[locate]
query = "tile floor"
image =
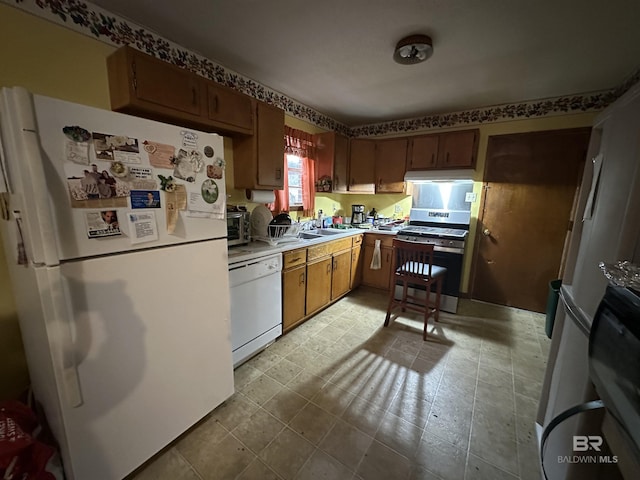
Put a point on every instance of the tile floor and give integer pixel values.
(341, 397)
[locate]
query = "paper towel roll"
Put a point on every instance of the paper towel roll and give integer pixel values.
(261, 196)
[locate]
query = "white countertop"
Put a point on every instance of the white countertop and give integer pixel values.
(257, 249)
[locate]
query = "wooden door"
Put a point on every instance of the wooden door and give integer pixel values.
(531, 181)
(228, 106)
(340, 164)
(166, 85)
(270, 146)
(423, 152)
(376, 278)
(318, 284)
(391, 159)
(362, 166)
(293, 296)
(458, 149)
(341, 276)
(356, 267)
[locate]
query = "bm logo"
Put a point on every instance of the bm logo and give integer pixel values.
(583, 443)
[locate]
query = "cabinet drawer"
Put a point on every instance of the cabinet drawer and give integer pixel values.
(294, 258)
(319, 251)
(385, 240)
(339, 245)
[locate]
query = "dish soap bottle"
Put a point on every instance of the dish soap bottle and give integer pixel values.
(319, 220)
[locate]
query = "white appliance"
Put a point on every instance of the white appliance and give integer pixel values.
(606, 229)
(126, 328)
(256, 305)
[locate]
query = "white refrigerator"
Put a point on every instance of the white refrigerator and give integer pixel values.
(115, 239)
(606, 229)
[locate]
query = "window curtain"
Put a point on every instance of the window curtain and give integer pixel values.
(300, 144)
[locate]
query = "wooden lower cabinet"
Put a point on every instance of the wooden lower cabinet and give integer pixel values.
(314, 277)
(294, 287)
(377, 278)
(318, 284)
(356, 262)
(341, 274)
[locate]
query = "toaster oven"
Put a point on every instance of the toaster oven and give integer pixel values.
(238, 228)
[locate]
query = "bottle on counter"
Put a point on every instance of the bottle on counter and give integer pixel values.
(319, 220)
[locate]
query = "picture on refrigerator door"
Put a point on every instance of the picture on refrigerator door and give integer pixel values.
(160, 154)
(102, 224)
(118, 148)
(187, 164)
(92, 187)
(216, 170)
(145, 199)
(143, 226)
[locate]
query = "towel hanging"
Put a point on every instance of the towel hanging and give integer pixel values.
(376, 260)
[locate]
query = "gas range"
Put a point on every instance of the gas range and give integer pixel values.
(444, 238)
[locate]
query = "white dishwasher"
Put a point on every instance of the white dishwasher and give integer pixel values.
(256, 305)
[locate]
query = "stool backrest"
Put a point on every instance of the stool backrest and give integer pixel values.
(412, 259)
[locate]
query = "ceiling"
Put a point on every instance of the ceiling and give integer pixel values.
(335, 56)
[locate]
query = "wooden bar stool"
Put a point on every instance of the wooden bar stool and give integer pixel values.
(413, 267)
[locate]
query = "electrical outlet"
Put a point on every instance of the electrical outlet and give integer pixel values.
(335, 207)
(470, 197)
(398, 209)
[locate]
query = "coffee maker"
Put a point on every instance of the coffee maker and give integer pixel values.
(357, 215)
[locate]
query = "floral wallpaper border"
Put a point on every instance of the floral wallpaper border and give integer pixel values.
(105, 26)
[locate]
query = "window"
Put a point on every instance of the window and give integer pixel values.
(294, 179)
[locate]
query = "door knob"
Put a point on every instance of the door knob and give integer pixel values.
(486, 232)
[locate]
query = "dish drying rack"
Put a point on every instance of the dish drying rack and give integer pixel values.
(277, 234)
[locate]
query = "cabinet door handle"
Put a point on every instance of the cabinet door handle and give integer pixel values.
(194, 99)
(278, 173)
(447, 159)
(433, 158)
(215, 103)
(337, 181)
(301, 279)
(135, 79)
(329, 268)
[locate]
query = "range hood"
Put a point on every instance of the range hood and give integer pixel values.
(428, 175)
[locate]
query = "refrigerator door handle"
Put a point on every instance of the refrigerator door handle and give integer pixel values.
(66, 355)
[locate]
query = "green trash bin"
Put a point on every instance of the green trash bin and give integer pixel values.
(552, 305)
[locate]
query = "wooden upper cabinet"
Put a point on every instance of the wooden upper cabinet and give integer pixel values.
(423, 152)
(362, 176)
(145, 86)
(230, 107)
(258, 160)
(332, 159)
(443, 150)
(458, 149)
(391, 158)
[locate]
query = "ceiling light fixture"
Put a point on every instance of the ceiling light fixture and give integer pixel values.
(413, 49)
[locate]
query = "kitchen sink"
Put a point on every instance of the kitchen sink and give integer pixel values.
(308, 236)
(328, 231)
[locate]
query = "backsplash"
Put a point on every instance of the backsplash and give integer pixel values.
(91, 20)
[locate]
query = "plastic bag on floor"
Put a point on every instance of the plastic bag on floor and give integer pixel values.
(22, 455)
